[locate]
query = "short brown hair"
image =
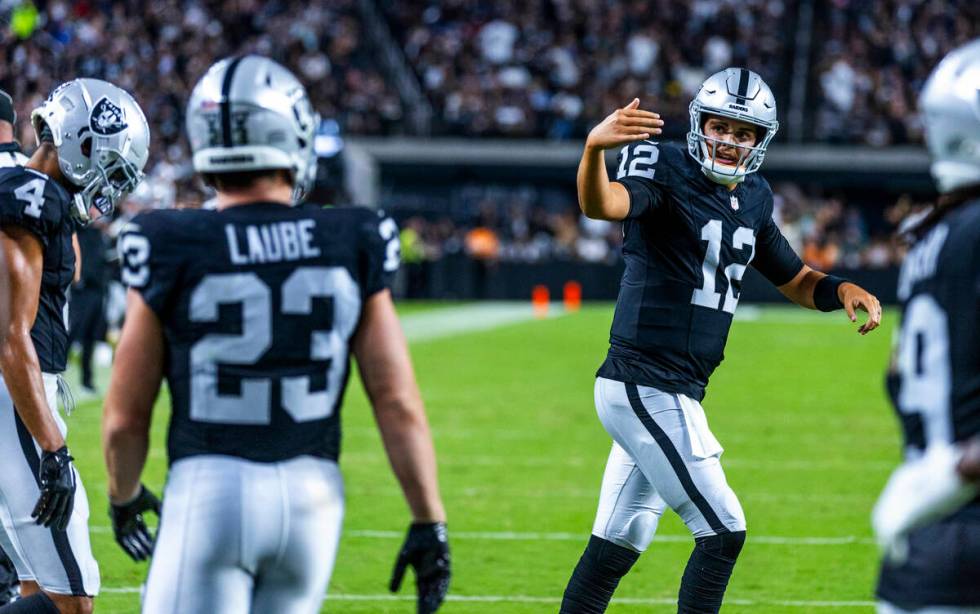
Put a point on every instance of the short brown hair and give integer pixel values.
(245, 179)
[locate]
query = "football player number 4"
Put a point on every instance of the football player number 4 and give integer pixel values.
(246, 348)
(706, 296)
(32, 193)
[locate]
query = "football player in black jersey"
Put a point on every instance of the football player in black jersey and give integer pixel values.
(928, 518)
(10, 155)
(93, 142)
(693, 220)
(251, 312)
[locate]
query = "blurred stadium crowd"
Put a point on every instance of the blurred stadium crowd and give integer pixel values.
(509, 68)
(528, 224)
(530, 68)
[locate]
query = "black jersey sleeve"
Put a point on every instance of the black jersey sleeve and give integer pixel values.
(148, 263)
(774, 258)
(380, 252)
(32, 201)
(641, 172)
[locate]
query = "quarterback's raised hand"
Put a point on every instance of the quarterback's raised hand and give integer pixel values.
(132, 535)
(625, 125)
(426, 549)
(57, 500)
(854, 297)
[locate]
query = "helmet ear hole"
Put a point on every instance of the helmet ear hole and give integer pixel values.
(86, 147)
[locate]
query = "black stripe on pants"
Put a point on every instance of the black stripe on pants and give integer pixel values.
(675, 460)
(60, 538)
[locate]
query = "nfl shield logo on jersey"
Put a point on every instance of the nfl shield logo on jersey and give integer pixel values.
(107, 118)
(735, 202)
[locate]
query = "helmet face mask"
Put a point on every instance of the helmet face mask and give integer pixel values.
(102, 139)
(736, 94)
(250, 114)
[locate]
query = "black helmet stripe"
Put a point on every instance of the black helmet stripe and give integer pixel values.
(226, 102)
(743, 86)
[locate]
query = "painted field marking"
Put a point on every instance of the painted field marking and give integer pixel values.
(449, 321)
(532, 536)
(383, 597)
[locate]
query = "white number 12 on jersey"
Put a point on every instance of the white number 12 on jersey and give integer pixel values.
(705, 296)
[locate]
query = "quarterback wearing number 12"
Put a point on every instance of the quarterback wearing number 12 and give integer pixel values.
(693, 220)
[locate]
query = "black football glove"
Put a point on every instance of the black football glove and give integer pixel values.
(57, 500)
(426, 549)
(129, 526)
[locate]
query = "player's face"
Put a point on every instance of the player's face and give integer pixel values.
(728, 133)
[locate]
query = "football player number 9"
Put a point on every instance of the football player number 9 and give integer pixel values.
(254, 404)
(923, 360)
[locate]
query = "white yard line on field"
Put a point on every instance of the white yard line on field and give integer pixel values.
(532, 536)
(426, 325)
(449, 321)
(384, 597)
(579, 537)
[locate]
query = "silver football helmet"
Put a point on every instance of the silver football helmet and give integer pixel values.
(736, 93)
(250, 113)
(950, 106)
(102, 138)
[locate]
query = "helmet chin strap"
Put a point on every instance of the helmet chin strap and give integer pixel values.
(710, 160)
(726, 180)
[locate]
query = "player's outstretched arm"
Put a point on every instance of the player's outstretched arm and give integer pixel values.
(598, 197)
(386, 370)
(136, 375)
(815, 290)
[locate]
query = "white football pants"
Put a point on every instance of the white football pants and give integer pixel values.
(61, 562)
(663, 454)
(238, 536)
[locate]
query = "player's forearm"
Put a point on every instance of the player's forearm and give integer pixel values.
(408, 443)
(22, 375)
(128, 412)
(125, 456)
(596, 196)
(125, 429)
(800, 289)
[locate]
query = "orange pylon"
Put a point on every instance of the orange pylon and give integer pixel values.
(539, 300)
(573, 296)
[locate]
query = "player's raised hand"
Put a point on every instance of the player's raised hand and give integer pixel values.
(854, 297)
(57, 500)
(625, 125)
(426, 549)
(131, 531)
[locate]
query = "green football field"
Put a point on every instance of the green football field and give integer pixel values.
(798, 404)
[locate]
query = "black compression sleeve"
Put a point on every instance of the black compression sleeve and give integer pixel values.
(825, 293)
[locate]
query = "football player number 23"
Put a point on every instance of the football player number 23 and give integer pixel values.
(706, 296)
(254, 403)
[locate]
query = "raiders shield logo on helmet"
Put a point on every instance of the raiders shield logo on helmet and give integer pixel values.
(107, 118)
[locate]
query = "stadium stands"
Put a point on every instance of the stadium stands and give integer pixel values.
(536, 69)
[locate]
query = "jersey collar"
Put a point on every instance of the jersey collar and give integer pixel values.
(12, 146)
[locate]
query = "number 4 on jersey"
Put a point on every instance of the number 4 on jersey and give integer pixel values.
(32, 193)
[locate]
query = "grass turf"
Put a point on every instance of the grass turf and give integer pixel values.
(798, 405)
